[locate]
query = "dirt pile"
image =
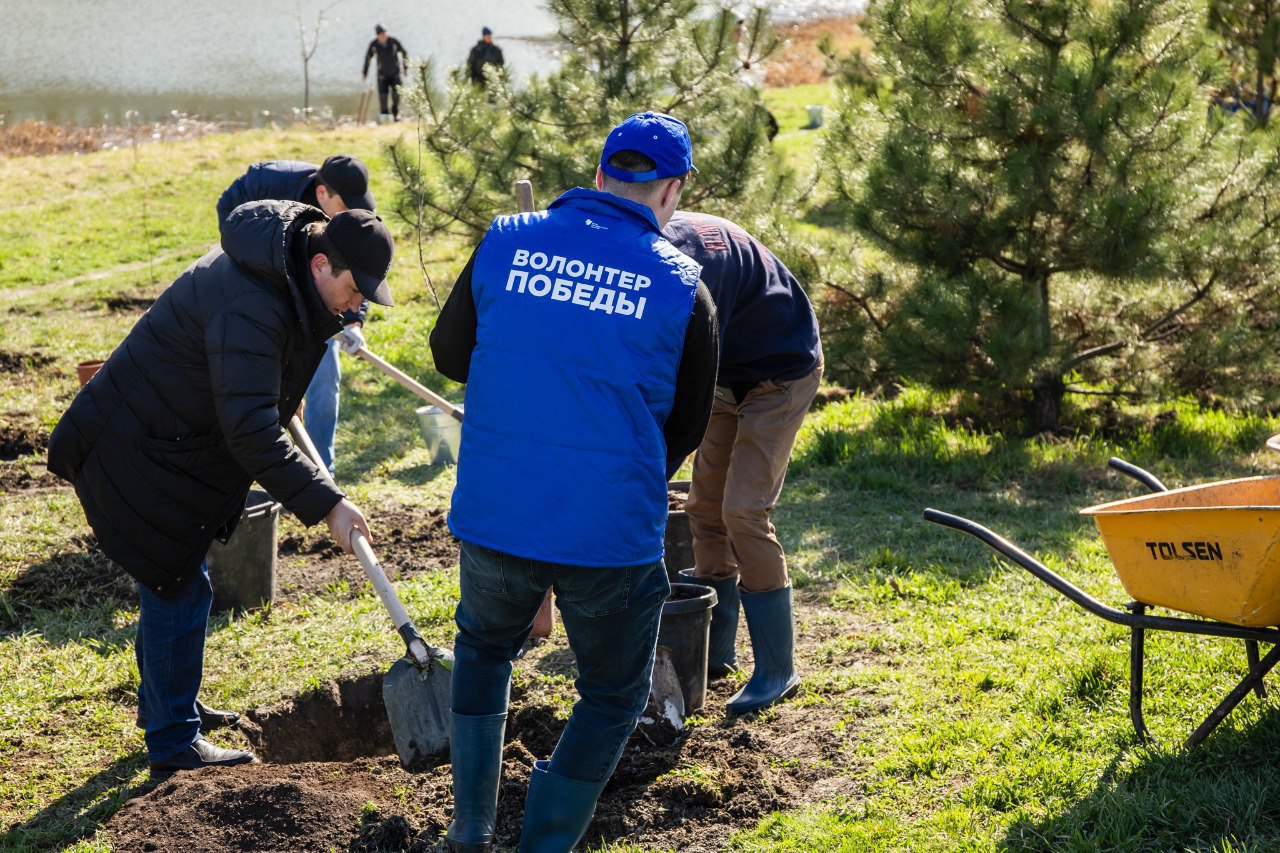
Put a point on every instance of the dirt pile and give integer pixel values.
(24, 362)
(124, 303)
(693, 796)
(19, 441)
(408, 540)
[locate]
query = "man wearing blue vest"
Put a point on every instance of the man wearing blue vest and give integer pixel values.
(589, 349)
(340, 183)
(770, 366)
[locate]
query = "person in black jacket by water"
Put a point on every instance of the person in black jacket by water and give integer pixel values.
(483, 52)
(163, 443)
(393, 60)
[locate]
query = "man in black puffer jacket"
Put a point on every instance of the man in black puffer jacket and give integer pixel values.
(163, 443)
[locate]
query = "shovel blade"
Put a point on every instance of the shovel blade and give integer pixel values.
(663, 717)
(417, 703)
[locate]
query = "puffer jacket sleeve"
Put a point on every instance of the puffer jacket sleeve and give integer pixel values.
(245, 343)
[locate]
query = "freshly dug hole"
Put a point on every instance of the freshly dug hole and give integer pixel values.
(342, 721)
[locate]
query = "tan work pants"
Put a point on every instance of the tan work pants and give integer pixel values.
(737, 478)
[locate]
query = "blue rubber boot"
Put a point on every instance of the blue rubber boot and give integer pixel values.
(722, 657)
(773, 642)
(557, 811)
(475, 747)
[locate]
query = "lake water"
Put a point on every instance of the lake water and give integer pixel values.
(90, 61)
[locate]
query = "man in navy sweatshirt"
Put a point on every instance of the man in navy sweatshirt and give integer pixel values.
(340, 183)
(770, 366)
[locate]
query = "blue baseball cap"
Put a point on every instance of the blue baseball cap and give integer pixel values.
(485, 31)
(658, 136)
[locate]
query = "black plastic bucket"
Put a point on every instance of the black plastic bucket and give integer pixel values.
(243, 571)
(678, 540)
(685, 629)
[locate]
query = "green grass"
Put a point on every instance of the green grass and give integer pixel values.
(987, 712)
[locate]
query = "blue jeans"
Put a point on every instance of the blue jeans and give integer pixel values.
(611, 618)
(170, 652)
(322, 404)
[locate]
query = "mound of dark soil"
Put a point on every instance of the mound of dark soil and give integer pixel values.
(24, 362)
(123, 303)
(19, 441)
(19, 476)
(407, 539)
(256, 807)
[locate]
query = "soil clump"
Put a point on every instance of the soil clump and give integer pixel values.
(19, 441)
(124, 303)
(24, 362)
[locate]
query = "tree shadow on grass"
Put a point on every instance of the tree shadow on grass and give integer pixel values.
(71, 596)
(82, 811)
(858, 488)
(1220, 795)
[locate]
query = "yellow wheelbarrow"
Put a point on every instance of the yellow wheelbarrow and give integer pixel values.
(1211, 550)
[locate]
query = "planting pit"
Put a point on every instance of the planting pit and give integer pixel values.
(693, 796)
(407, 539)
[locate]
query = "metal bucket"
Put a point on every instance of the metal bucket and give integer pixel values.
(815, 115)
(442, 432)
(685, 629)
(243, 571)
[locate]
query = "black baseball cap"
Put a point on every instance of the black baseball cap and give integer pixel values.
(367, 245)
(349, 178)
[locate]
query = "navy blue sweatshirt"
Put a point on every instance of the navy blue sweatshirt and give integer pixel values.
(767, 326)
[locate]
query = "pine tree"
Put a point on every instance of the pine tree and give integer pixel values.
(618, 57)
(1250, 31)
(1059, 207)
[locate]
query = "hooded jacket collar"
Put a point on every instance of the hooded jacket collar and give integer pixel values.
(259, 238)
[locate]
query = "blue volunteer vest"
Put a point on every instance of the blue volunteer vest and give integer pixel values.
(582, 310)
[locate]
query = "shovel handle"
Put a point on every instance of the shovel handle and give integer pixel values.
(524, 195)
(408, 381)
(421, 653)
(418, 648)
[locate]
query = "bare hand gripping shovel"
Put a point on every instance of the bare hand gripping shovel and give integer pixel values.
(416, 688)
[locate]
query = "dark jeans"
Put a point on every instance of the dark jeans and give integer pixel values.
(611, 618)
(389, 85)
(170, 652)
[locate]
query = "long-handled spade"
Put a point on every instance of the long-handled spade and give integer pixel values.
(416, 688)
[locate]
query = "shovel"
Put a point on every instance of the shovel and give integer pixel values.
(416, 688)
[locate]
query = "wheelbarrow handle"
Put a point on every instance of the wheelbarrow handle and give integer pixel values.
(421, 653)
(1120, 617)
(409, 382)
(1146, 478)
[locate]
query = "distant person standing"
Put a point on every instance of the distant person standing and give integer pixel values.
(393, 60)
(484, 53)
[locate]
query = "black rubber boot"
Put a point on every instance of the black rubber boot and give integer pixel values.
(475, 748)
(203, 754)
(722, 656)
(210, 718)
(557, 811)
(772, 632)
